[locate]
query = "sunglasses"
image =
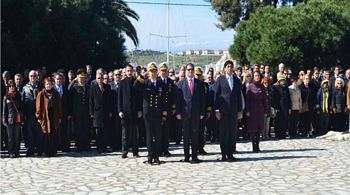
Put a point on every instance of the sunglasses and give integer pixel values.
(12, 86)
(117, 74)
(32, 75)
(190, 69)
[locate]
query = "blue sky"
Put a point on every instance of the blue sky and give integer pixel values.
(196, 23)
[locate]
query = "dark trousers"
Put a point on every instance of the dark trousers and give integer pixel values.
(141, 132)
(63, 136)
(281, 124)
(14, 136)
(305, 120)
(255, 137)
(201, 134)
(228, 135)
(315, 121)
(165, 130)
(100, 138)
(340, 121)
(153, 134)
(50, 143)
(323, 123)
(116, 134)
(4, 137)
(212, 130)
(129, 137)
(82, 133)
(293, 123)
(178, 131)
(190, 137)
(34, 136)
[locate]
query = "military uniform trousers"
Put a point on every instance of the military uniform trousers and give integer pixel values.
(153, 122)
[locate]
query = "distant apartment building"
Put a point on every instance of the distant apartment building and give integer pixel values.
(207, 52)
(189, 52)
(204, 52)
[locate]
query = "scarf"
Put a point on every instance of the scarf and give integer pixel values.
(48, 94)
(325, 100)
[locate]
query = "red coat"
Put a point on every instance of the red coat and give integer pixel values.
(256, 105)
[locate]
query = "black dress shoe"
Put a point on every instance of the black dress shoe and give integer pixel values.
(223, 158)
(231, 159)
(124, 156)
(157, 161)
(195, 161)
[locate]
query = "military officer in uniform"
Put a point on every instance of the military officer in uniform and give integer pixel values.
(79, 111)
(169, 105)
(153, 111)
(202, 137)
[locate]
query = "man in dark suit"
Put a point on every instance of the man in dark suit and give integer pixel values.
(228, 108)
(100, 110)
(115, 130)
(63, 134)
(130, 111)
(190, 109)
(169, 103)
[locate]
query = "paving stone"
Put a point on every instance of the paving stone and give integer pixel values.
(299, 166)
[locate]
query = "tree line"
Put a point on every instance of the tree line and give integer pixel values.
(65, 33)
(302, 35)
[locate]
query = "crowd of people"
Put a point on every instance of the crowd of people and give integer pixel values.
(151, 106)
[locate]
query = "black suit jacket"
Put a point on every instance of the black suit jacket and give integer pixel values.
(100, 104)
(228, 101)
(190, 106)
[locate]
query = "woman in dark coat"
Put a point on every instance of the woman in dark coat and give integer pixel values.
(49, 112)
(12, 118)
(339, 105)
(256, 108)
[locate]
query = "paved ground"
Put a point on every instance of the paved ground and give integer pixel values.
(301, 166)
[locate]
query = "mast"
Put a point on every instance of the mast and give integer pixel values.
(167, 33)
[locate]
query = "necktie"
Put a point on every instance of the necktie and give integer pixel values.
(101, 88)
(191, 86)
(154, 83)
(230, 82)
